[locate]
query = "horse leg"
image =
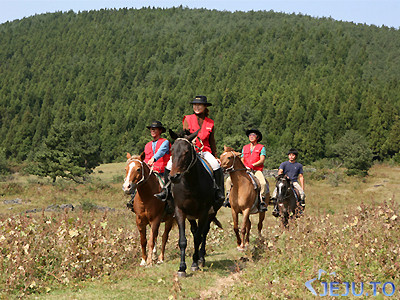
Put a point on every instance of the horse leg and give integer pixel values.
(202, 252)
(154, 226)
(261, 217)
(180, 218)
(235, 217)
(243, 229)
(167, 229)
(248, 227)
(193, 227)
(199, 237)
(143, 240)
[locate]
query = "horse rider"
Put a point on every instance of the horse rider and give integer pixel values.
(294, 171)
(157, 152)
(253, 157)
(205, 145)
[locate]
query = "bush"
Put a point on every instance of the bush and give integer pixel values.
(353, 151)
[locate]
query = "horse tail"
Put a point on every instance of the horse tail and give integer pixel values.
(217, 222)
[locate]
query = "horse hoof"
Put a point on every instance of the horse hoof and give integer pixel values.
(201, 263)
(181, 274)
(240, 248)
(194, 269)
(160, 262)
(143, 263)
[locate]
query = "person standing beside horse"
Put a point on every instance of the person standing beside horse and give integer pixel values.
(294, 171)
(253, 157)
(205, 144)
(157, 152)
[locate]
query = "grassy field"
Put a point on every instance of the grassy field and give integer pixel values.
(351, 227)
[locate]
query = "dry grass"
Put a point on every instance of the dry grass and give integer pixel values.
(351, 227)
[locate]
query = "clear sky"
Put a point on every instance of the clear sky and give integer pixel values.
(376, 12)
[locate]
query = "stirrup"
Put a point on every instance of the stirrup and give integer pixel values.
(263, 206)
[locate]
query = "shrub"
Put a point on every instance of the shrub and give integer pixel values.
(352, 149)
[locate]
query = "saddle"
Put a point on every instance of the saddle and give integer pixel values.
(257, 187)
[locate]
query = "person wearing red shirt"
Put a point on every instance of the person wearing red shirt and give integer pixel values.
(253, 157)
(157, 152)
(205, 143)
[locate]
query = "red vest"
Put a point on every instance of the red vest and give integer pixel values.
(249, 158)
(159, 165)
(204, 133)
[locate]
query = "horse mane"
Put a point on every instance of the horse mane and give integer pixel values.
(283, 176)
(229, 149)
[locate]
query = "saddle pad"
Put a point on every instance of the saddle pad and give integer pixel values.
(254, 180)
(206, 165)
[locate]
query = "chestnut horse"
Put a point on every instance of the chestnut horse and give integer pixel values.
(148, 209)
(286, 201)
(242, 197)
(194, 195)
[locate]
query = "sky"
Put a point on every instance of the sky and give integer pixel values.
(370, 12)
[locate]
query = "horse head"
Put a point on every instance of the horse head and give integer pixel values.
(183, 154)
(134, 172)
(283, 185)
(228, 158)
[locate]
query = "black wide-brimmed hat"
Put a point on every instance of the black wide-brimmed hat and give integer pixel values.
(201, 100)
(157, 124)
(257, 132)
(293, 151)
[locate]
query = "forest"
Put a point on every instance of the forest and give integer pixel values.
(302, 81)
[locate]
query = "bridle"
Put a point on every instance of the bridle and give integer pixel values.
(232, 169)
(194, 157)
(286, 195)
(143, 179)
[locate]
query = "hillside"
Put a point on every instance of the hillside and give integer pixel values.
(302, 81)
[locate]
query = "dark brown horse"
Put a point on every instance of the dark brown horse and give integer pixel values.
(193, 193)
(148, 209)
(286, 200)
(242, 197)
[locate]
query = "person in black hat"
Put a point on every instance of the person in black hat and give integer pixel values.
(157, 152)
(253, 157)
(294, 171)
(205, 144)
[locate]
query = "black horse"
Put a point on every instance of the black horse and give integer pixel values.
(194, 195)
(286, 198)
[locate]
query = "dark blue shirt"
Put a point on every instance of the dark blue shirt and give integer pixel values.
(292, 169)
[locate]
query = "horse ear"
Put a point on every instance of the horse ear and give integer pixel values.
(142, 156)
(237, 153)
(172, 134)
(128, 155)
(225, 148)
(192, 136)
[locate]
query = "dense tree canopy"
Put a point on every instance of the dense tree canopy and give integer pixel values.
(302, 81)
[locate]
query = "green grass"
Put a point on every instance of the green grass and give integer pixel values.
(348, 228)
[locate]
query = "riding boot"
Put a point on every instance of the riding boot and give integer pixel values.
(263, 205)
(166, 190)
(275, 211)
(302, 205)
(226, 202)
(130, 202)
(219, 189)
